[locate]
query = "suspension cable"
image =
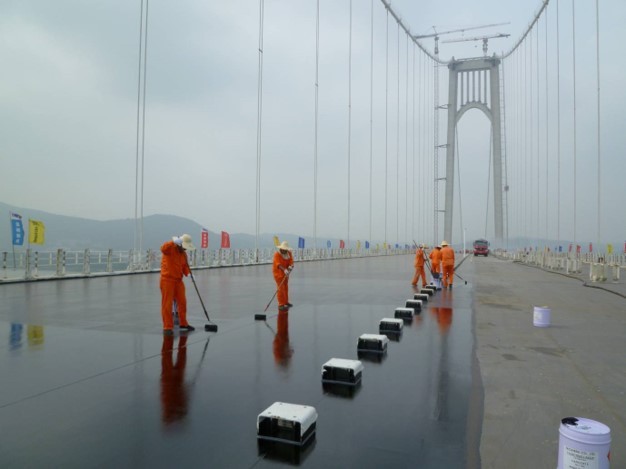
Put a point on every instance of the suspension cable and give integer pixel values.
(488, 179)
(349, 114)
(259, 129)
(371, 112)
(558, 124)
(574, 96)
(599, 223)
(317, 65)
(386, 120)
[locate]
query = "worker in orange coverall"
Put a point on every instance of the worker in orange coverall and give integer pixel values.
(435, 261)
(281, 268)
(173, 267)
(447, 265)
(419, 267)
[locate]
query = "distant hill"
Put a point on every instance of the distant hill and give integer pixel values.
(72, 233)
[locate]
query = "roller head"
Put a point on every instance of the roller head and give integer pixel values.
(260, 317)
(210, 327)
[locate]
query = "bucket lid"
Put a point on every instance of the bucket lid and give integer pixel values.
(588, 430)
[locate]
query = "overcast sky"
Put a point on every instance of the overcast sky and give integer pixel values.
(68, 114)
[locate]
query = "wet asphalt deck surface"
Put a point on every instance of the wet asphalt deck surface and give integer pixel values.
(90, 381)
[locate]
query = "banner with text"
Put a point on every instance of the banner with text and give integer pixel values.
(204, 239)
(36, 232)
(225, 240)
(17, 229)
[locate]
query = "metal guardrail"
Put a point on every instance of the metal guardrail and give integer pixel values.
(601, 267)
(32, 265)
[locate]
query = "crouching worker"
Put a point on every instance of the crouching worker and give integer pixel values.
(173, 267)
(281, 268)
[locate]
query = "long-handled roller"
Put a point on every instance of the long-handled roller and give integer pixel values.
(263, 316)
(207, 327)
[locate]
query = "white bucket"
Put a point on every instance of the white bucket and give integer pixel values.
(541, 316)
(584, 443)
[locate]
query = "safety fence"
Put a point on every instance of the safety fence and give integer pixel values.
(32, 265)
(599, 267)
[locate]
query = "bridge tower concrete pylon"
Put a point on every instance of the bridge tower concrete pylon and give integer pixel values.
(474, 83)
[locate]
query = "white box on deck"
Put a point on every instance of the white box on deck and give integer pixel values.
(287, 423)
(342, 371)
(391, 324)
(404, 313)
(372, 343)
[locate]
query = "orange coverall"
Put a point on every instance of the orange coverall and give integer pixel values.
(173, 267)
(419, 268)
(447, 263)
(279, 266)
(435, 261)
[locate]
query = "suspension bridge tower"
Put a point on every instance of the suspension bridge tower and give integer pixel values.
(474, 83)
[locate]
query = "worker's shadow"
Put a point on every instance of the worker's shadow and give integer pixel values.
(281, 345)
(174, 392)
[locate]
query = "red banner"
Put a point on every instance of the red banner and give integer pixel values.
(590, 247)
(578, 249)
(225, 240)
(342, 245)
(204, 239)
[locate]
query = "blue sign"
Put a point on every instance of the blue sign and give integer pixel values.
(328, 244)
(300, 243)
(17, 229)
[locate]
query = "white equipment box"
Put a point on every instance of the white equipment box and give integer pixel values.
(372, 343)
(342, 371)
(293, 424)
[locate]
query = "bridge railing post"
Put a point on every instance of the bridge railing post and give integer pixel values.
(86, 264)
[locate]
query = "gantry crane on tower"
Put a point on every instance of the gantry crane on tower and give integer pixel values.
(485, 40)
(460, 30)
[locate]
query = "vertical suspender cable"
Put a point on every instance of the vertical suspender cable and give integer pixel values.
(317, 66)
(574, 78)
(547, 125)
(538, 126)
(143, 129)
(386, 118)
(258, 130)
(139, 76)
(349, 114)
(413, 148)
(371, 110)
(406, 146)
(488, 180)
(398, 148)
(531, 132)
(558, 128)
(458, 172)
(598, 98)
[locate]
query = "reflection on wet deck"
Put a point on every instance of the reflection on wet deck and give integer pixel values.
(88, 379)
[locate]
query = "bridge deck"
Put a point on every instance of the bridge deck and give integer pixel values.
(89, 380)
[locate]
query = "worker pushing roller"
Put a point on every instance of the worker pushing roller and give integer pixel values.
(435, 262)
(173, 267)
(419, 267)
(447, 265)
(281, 268)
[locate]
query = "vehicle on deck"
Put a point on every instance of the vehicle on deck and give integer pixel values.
(481, 247)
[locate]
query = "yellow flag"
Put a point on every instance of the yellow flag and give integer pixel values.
(609, 248)
(276, 241)
(36, 232)
(358, 245)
